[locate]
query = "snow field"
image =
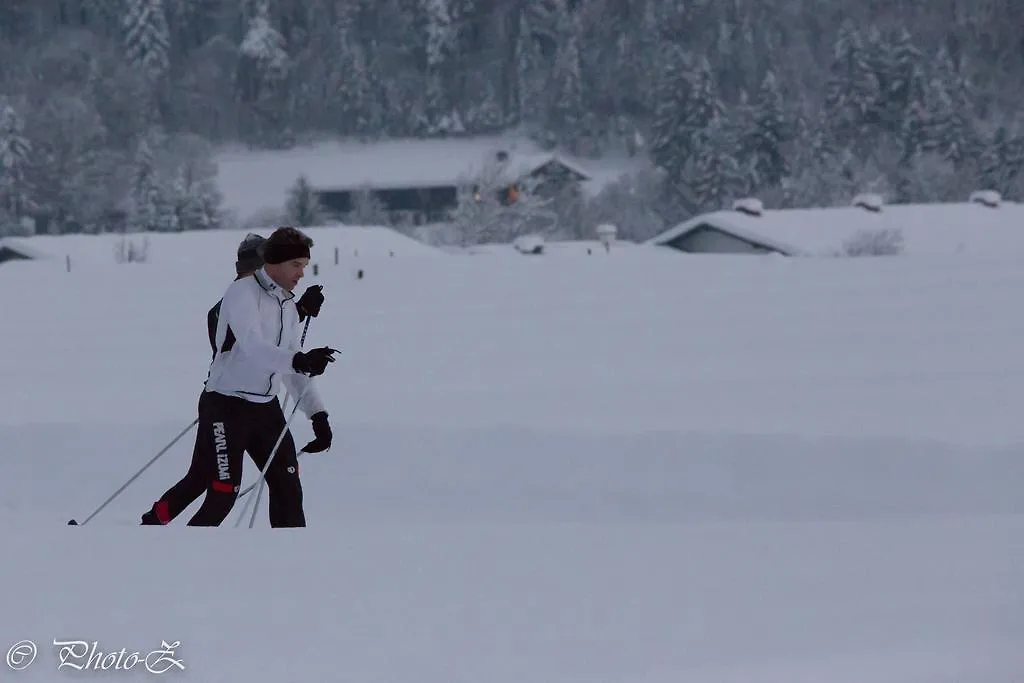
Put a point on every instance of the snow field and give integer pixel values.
(629, 468)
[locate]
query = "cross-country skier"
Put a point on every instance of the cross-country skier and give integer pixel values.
(196, 480)
(257, 344)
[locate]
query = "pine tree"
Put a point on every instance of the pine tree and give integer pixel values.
(705, 106)
(152, 205)
(672, 139)
(194, 193)
(852, 92)
(1001, 161)
(761, 145)
(951, 129)
(349, 90)
(15, 157)
(303, 207)
(263, 70)
(441, 117)
(565, 116)
(901, 79)
(145, 193)
(718, 176)
(914, 132)
(528, 72)
(147, 37)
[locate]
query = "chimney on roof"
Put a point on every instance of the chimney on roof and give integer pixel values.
(869, 202)
(751, 206)
(989, 198)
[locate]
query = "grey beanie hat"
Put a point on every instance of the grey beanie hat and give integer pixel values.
(250, 253)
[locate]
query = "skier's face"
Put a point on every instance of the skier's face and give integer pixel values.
(289, 273)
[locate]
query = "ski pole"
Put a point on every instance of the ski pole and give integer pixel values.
(116, 493)
(250, 487)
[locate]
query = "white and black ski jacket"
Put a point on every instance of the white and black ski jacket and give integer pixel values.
(257, 336)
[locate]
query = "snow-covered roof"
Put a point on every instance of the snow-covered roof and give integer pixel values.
(927, 229)
(22, 248)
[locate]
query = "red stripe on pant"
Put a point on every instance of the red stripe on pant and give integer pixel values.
(223, 486)
(162, 511)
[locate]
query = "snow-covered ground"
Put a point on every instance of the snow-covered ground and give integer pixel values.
(636, 467)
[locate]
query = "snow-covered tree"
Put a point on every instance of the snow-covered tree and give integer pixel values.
(263, 69)
(528, 70)
(853, 92)
(173, 187)
(15, 157)
(769, 129)
(442, 118)
(147, 38)
(952, 131)
(264, 49)
(367, 209)
(672, 138)
(565, 88)
(494, 206)
(191, 182)
(900, 68)
(303, 208)
(1001, 162)
(343, 96)
(718, 176)
(631, 204)
(146, 199)
(705, 106)
(76, 172)
(268, 72)
(914, 130)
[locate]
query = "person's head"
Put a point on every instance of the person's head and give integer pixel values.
(286, 255)
(250, 255)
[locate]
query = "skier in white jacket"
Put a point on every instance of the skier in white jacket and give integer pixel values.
(257, 346)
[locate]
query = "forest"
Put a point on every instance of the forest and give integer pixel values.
(111, 110)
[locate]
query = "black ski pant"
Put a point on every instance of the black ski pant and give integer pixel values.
(230, 426)
(190, 487)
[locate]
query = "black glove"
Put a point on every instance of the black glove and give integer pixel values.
(310, 302)
(322, 431)
(314, 361)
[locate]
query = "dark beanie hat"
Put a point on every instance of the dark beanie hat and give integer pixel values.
(286, 244)
(250, 254)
